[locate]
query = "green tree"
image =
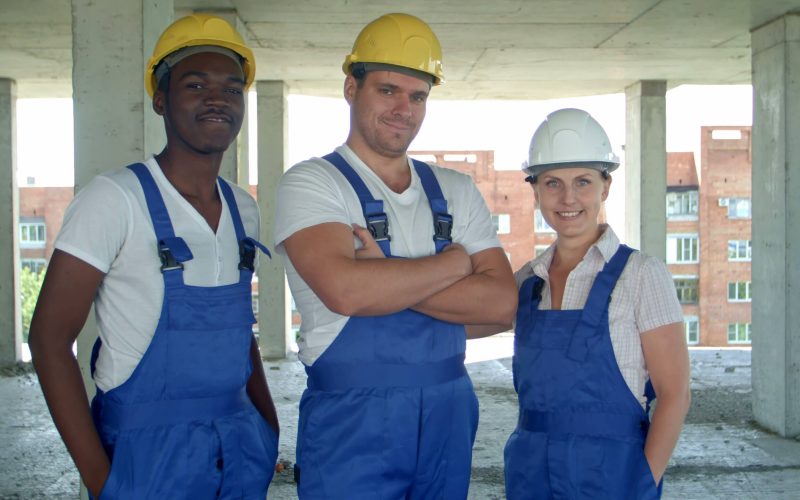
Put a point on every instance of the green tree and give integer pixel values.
(29, 283)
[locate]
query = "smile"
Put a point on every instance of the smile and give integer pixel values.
(568, 214)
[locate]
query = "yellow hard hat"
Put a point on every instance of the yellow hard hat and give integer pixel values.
(398, 40)
(195, 30)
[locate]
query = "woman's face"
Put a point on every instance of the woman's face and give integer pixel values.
(570, 199)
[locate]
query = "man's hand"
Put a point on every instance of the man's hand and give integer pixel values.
(369, 247)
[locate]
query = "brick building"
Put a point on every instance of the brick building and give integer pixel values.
(708, 226)
(709, 236)
(41, 211)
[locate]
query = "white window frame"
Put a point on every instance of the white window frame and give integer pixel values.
(734, 204)
(502, 223)
(735, 247)
(673, 257)
(740, 286)
(739, 336)
(688, 321)
(37, 227)
(539, 224)
(683, 199)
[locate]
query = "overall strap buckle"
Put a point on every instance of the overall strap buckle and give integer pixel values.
(443, 227)
(378, 225)
(168, 260)
(247, 255)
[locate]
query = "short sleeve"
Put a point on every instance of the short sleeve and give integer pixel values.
(479, 233)
(307, 196)
(657, 303)
(96, 223)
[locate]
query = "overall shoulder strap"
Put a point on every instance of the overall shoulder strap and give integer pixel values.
(596, 306)
(247, 245)
(442, 221)
(377, 221)
(172, 250)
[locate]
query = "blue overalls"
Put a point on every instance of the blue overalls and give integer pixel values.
(183, 426)
(389, 411)
(581, 431)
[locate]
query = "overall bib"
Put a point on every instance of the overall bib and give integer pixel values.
(183, 426)
(581, 431)
(389, 411)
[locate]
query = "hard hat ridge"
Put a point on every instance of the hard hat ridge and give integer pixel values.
(196, 30)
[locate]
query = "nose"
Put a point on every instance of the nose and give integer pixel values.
(216, 96)
(568, 194)
(402, 107)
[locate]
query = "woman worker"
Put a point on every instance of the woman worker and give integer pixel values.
(597, 324)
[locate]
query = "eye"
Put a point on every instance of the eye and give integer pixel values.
(385, 91)
(234, 91)
(551, 183)
(420, 98)
(194, 85)
(584, 182)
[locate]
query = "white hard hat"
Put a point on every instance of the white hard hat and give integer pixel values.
(570, 138)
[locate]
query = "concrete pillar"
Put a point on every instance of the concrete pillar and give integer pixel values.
(10, 321)
(273, 304)
(776, 216)
(113, 118)
(646, 167)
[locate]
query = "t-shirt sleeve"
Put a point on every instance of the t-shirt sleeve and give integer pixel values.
(479, 233)
(96, 223)
(307, 196)
(657, 303)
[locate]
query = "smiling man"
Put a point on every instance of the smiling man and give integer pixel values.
(165, 250)
(388, 259)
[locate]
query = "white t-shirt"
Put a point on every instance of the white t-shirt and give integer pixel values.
(108, 226)
(315, 192)
(643, 299)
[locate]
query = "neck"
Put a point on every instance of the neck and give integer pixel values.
(571, 250)
(392, 170)
(193, 176)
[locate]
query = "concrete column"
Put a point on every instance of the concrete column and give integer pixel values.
(113, 118)
(646, 167)
(273, 303)
(776, 216)
(10, 321)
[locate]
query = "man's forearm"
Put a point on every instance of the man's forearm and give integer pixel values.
(62, 385)
(477, 299)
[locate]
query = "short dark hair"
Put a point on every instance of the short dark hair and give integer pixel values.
(163, 84)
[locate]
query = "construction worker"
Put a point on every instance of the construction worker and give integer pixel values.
(165, 250)
(388, 259)
(597, 324)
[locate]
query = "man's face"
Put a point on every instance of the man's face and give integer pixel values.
(387, 110)
(204, 105)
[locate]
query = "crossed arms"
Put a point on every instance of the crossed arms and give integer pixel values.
(451, 286)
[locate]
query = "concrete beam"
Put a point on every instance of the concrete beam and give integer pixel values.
(776, 216)
(273, 303)
(646, 167)
(10, 321)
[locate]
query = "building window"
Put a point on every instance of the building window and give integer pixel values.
(539, 224)
(739, 291)
(682, 205)
(501, 223)
(34, 265)
(32, 234)
(740, 250)
(691, 325)
(738, 208)
(686, 287)
(682, 249)
(738, 333)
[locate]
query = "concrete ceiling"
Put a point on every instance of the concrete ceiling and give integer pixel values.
(500, 49)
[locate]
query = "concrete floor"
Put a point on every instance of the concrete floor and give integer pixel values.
(721, 454)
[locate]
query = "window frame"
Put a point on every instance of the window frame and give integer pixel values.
(737, 333)
(738, 285)
(683, 236)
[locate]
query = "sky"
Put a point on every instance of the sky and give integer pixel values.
(317, 125)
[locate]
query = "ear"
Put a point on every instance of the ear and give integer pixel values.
(159, 103)
(606, 187)
(350, 87)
